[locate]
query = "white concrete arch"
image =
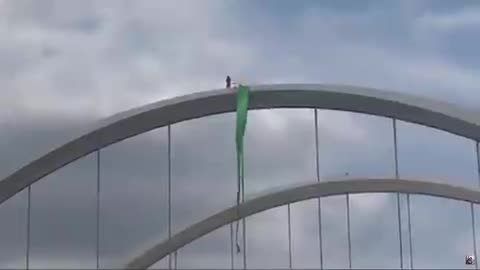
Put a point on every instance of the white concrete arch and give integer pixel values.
(337, 97)
(292, 195)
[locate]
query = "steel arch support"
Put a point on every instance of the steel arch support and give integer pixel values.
(296, 194)
(336, 97)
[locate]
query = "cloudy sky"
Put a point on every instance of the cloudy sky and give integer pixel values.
(66, 64)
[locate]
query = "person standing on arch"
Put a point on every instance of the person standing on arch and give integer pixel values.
(228, 81)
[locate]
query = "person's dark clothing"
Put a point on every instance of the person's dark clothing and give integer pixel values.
(229, 82)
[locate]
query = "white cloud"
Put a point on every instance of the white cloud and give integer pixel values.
(467, 17)
(140, 53)
(343, 125)
(370, 204)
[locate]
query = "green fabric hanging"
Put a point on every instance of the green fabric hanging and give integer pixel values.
(242, 113)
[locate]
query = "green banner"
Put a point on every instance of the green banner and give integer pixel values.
(242, 112)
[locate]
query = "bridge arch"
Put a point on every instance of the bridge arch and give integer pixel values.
(296, 194)
(336, 97)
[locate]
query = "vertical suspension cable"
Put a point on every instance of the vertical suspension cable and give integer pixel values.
(29, 203)
(289, 237)
(175, 259)
(474, 235)
(232, 257)
(172, 263)
(349, 240)
(169, 196)
(398, 205)
(409, 231)
(317, 166)
(472, 208)
(399, 216)
(244, 243)
(244, 229)
(97, 253)
(169, 154)
(478, 161)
